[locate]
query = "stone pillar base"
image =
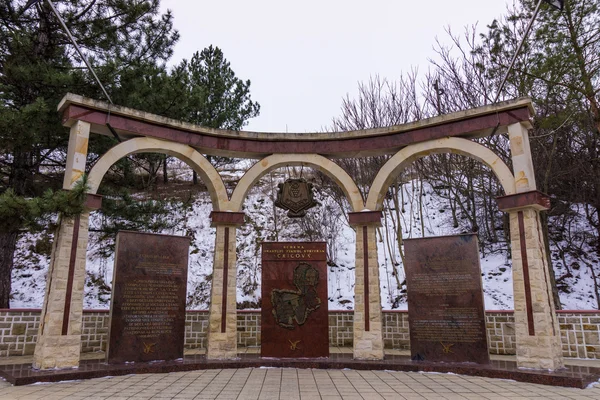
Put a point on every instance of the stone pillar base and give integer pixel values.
(368, 345)
(539, 353)
(57, 352)
(222, 346)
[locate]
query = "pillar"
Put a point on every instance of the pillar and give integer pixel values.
(59, 335)
(368, 324)
(222, 320)
(76, 154)
(536, 326)
(521, 157)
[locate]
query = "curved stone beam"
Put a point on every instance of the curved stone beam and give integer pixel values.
(316, 161)
(392, 168)
(195, 160)
(359, 143)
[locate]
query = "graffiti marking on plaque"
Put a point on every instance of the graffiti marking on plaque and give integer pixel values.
(296, 305)
(148, 347)
(296, 196)
(294, 344)
(446, 348)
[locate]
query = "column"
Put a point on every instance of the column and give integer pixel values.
(368, 325)
(76, 154)
(59, 335)
(222, 320)
(536, 326)
(521, 157)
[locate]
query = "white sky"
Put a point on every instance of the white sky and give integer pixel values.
(303, 57)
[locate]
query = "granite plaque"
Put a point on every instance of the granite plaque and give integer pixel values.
(294, 317)
(147, 310)
(446, 313)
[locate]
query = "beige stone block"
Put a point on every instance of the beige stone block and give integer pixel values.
(18, 329)
(214, 324)
(217, 290)
(57, 352)
(550, 363)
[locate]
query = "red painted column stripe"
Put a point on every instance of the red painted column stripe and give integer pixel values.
(366, 277)
(70, 277)
(225, 271)
(528, 303)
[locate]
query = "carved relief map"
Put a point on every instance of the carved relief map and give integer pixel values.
(296, 305)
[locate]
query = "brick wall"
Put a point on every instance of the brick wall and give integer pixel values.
(395, 330)
(248, 328)
(18, 332)
(580, 331)
(501, 332)
(196, 326)
(341, 330)
(94, 331)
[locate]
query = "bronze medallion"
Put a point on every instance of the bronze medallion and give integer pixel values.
(296, 196)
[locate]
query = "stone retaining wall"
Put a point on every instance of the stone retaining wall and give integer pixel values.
(18, 331)
(501, 332)
(580, 331)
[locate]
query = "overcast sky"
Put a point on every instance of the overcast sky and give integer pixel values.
(304, 56)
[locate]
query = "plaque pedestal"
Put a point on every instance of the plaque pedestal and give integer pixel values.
(294, 317)
(147, 313)
(446, 314)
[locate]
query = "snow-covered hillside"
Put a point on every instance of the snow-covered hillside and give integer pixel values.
(266, 223)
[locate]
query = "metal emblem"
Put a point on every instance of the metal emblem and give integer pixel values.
(296, 196)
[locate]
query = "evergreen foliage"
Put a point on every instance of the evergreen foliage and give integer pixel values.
(560, 69)
(218, 99)
(128, 44)
(123, 212)
(36, 213)
(38, 66)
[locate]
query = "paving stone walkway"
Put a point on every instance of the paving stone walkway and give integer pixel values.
(293, 384)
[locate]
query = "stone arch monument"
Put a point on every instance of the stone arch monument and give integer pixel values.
(537, 334)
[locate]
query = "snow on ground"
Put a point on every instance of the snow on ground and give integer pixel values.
(266, 223)
(29, 274)
(495, 268)
(573, 257)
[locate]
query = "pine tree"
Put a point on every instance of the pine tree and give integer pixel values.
(218, 99)
(38, 66)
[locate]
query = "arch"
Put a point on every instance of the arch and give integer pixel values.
(273, 161)
(189, 155)
(407, 155)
